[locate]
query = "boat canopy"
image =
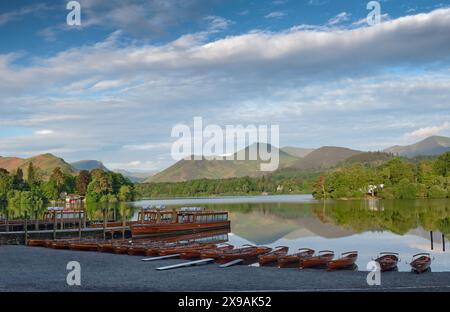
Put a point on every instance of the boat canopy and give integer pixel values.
(192, 209)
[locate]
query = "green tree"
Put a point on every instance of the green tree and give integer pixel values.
(82, 182)
(442, 165)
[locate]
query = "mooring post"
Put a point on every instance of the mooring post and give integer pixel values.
(7, 220)
(79, 224)
(104, 224)
(26, 229)
(431, 239)
(443, 242)
(55, 224)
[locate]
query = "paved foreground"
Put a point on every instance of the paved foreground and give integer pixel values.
(41, 269)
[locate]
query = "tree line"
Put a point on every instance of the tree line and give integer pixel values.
(397, 178)
(231, 186)
(96, 185)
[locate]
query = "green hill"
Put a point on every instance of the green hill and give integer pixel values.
(324, 157)
(45, 163)
(434, 145)
(185, 170)
(88, 165)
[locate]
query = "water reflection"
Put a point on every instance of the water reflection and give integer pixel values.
(369, 226)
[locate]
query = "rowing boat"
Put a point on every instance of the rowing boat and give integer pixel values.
(106, 246)
(37, 242)
(346, 260)
(294, 259)
(273, 256)
(247, 254)
(421, 262)
(188, 248)
(89, 245)
(196, 253)
(387, 261)
(321, 260)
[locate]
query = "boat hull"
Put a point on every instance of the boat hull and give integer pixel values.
(387, 262)
(147, 230)
(315, 262)
(342, 263)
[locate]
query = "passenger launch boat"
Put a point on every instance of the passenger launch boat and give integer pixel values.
(159, 221)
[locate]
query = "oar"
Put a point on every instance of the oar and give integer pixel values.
(161, 257)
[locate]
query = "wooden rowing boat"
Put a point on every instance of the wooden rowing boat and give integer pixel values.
(294, 259)
(321, 260)
(248, 254)
(188, 248)
(194, 254)
(387, 261)
(106, 246)
(272, 257)
(121, 248)
(84, 245)
(62, 243)
(421, 262)
(346, 260)
(37, 242)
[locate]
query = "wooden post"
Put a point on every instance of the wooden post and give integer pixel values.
(79, 224)
(55, 224)
(26, 229)
(104, 224)
(62, 221)
(443, 242)
(7, 220)
(431, 239)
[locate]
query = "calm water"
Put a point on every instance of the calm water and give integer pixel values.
(369, 226)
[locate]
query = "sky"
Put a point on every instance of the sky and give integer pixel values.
(112, 88)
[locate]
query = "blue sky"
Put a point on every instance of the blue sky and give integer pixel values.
(112, 88)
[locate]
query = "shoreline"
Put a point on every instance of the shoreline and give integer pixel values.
(42, 269)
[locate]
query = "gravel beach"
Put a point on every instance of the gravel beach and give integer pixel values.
(41, 269)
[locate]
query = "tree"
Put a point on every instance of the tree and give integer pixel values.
(31, 174)
(126, 193)
(18, 182)
(442, 165)
(82, 182)
(59, 179)
(6, 184)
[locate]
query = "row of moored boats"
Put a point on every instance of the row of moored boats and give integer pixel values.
(226, 253)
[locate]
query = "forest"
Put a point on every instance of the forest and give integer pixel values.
(97, 186)
(397, 178)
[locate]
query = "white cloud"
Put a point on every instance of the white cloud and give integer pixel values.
(340, 18)
(44, 132)
(425, 132)
(313, 82)
(276, 14)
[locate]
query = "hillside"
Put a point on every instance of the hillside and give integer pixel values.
(297, 151)
(324, 157)
(88, 165)
(185, 170)
(135, 176)
(46, 163)
(433, 145)
(369, 158)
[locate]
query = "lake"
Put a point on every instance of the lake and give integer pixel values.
(368, 226)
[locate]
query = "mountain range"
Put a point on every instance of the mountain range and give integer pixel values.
(294, 158)
(290, 158)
